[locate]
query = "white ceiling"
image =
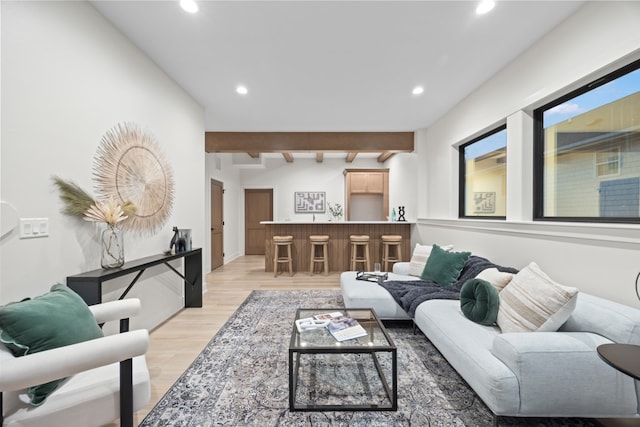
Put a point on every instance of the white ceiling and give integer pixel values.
(331, 65)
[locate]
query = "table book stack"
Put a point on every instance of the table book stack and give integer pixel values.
(341, 327)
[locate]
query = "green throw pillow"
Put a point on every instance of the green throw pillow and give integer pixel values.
(479, 301)
(444, 267)
(55, 319)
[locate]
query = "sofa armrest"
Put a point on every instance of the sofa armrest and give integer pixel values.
(535, 353)
(557, 371)
(508, 347)
(115, 310)
(38, 368)
(401, 268)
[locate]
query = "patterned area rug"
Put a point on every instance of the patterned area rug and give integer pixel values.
(241, 378)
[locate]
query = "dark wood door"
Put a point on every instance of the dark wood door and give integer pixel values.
(217, 223)
(258, 206)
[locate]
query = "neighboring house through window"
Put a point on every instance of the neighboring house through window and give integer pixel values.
(587, 152)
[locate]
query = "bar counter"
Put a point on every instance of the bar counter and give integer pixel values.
(339, 247)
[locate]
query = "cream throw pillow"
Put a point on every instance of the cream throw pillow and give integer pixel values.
(496, 277)
(420, 256)
(534, 302)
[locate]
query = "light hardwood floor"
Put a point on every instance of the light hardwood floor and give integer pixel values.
(176, 343)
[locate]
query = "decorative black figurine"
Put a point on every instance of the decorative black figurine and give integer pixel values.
(179, 242)
(401, 213)
(173, 239)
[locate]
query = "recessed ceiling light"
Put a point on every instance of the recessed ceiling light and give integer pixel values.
(485, 6)
(242, 90)
(189, 5)
(417, 90)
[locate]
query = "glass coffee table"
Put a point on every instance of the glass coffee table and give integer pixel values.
(358, 374)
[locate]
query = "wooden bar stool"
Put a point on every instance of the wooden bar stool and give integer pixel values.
(323, 243)
(282, 242)
(391, 241)
(360, 241)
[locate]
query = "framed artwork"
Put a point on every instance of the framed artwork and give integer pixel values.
(484, 202)
(309, 201)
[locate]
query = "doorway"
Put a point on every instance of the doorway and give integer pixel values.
(258, 206)
(217, 223)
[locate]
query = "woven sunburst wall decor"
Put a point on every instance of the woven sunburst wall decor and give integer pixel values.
(129, 166)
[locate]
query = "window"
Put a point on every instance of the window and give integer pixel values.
(608, 162)
(587, 152)
(483, 176)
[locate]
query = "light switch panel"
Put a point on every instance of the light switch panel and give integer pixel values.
(33, 227)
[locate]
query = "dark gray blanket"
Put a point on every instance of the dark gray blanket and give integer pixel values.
(410, 294)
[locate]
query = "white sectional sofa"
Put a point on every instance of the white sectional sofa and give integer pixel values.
(526, 374)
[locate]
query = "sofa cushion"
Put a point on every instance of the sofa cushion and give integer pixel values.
(467, 347)
(479, 301)
(534, 302)
(444, 267)
(419, 258)
(55, 319)
(361, 293)
(496, 277)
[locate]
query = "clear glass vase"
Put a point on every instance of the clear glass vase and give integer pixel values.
(112, 247)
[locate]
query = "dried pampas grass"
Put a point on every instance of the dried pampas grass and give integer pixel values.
(76, 201)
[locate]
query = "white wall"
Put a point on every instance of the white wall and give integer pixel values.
(304, 174)
(600, 259)
(403, 183)
(68, 76)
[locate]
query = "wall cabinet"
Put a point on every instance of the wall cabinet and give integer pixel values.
(366, 194)
(367, 182)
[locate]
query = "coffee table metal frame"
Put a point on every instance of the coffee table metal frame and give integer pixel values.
(376, 330)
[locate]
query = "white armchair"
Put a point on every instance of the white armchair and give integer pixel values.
(107, 377)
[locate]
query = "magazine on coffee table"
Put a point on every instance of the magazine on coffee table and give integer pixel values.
(345, 328)
(309, 324)
(317, 321)
(328, 316)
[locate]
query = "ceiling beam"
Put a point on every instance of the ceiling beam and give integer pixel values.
(288, 157)
(351, 156)
(385, 156)
(319, 157)
(277, 142)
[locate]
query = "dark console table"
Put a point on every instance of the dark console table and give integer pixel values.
(89, 285)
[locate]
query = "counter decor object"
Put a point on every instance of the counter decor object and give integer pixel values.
(401, 214)
(335, 210)
(79, 203)
(180, 242)
(112, 244)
